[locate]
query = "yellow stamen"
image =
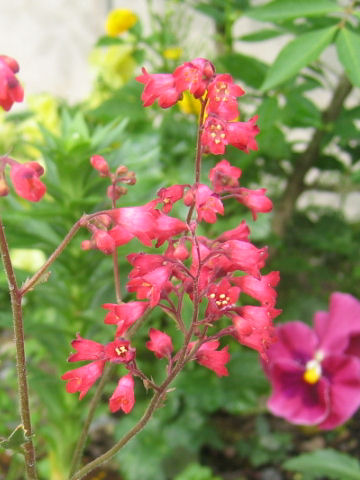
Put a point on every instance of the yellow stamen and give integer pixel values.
(312, 373)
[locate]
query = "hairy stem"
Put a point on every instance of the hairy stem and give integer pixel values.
(16, 298)
(295, 185)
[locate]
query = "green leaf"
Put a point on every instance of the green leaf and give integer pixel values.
(327, 462)
(243, 67)
(261, 35)
(300, 111)
(348, 49)
(279, 10)
(15, 440)
(298, 54)
(106, 41)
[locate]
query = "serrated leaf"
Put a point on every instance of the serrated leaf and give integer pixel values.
(348, 49)
(15, 440)
(298, 54)
(279, 10)
(327, 462)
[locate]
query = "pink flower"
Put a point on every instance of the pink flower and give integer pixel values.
(208, 356)
(241, 232)
(214, 137)
(315, 381)
(260, 288)
(170, 196)
(242, 134)
(222, 97)
(166, 227)
(194, 76)
(207, 203)
(86, 350)
(224, 176)
(124, 315)
(158, 86)
(10, 89)
(83, 378)
(150, 285)
(100, 164)
(222, 297)
(123, 397)
(255, 200)
(244, 256)
(104, 241)
(160, 343)
(120, 351)
(137, 221)
(25, 178)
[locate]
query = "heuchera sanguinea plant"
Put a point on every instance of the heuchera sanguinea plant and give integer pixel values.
(213, 273)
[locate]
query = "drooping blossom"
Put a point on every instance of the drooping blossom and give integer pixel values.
(160, 87)
(170, 196)
(222, 297)
(124, 314)
(194, 76)
(224, 176)
(26, 181)
(83, 378)
(160, 343)
(208, 356)
(10, 89)
(120, 351)
(86, 350)
(207, 203)
(150, 285)
(123, 397)
(261, 289)
(255, 200)
(223, 93)
(315, 380)
(100, 164)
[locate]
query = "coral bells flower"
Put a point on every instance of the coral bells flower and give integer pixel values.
(315, 381)
(255, 200)
(100, 164)
(207, 203)
(150, 285)
(120, 351)
(208, 356)
(222, 97)
(222, 297)
(124, 315)
(260, 288)
(170, 196)
(123, 397)
(194, 76)
(86, 350)
(158, 86)
(160, 343)
(83, 378)
(25, 178)
(224, 176)
(10, 89)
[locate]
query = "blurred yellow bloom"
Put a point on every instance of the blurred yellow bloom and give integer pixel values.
(116, 64)
(189, 104)
(172, 53)
(28, 259)
(120, 20)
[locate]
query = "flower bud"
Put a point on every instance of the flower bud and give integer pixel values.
(100, 164)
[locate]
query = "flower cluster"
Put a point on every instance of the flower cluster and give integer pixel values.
(315, 373)
(217, 274)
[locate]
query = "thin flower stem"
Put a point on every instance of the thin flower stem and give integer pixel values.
(16, 297)
(117, 277)
(78, 452)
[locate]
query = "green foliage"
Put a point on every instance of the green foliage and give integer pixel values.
(348, 45)
(328, 462)
(280, 10)
(196, 472)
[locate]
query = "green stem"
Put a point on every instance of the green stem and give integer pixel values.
(16, 297)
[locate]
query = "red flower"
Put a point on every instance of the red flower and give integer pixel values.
(100, 164)
(158, 86)
(241, 232)
(120, 351)
(255, 200)
(83, 378)
(244, 256)
(170, 196)
(214, 137)
(222, 297)
(124, 314)
(137, 221)
(160, 343)
(86, 350)
(260, 288)
(166, 227)
(242, 134)
(104, 241)
(208, 356)
(194, 76)
(25, 178)
(150, 285)
(123, 397)
(10, 89)
(207, 203)
(222, 97)
(224, 176)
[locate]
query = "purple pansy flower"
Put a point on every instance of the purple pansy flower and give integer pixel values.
(315, 373)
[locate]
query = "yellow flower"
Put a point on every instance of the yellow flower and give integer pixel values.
(189, 104)
(120, 20)
(172, 53)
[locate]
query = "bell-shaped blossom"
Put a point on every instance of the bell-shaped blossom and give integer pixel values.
(100, 164)
(170, 195)
(124, 314)
(104, 241)
(137, 221)
(159, 86)
(208, 356)
(26, 181)
(242, 135)
(244, 256)
(120, 351)
(241, 232)
(207, 203)
(160, 343)
(194, 76)
(223, 95)
(151, 285)
(224, 176)
(315, 381)
(255, 200)
(123, 397)
(83, 378)
(10, 89)
(260, 288)
(222, 297)
(166, 227)
(86, 350)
